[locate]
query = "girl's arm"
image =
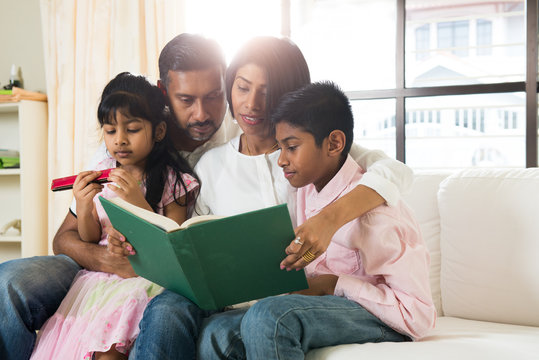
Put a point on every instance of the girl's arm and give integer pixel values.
(84, 191)
(176, 212)
(383, 182)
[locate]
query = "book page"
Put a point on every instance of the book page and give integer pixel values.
(161, 221)
(199, 219)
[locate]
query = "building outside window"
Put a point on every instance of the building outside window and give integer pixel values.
(423, 76)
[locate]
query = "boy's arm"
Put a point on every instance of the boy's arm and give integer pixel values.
(384, 181)
(90, 256)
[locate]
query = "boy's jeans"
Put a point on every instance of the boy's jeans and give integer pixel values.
(286, 327)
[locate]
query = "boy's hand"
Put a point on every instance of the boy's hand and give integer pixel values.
(85, 190)
(320, 285)
(126, 187)
(117, 245)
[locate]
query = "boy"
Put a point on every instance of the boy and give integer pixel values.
(370, 285)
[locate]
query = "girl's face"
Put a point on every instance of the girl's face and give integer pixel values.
(249, 99)
(130, 140)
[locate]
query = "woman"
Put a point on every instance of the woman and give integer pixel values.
(243, 175)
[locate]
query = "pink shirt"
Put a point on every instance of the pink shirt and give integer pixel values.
(168, 194)
(380, 258)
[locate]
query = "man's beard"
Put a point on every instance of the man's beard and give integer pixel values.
(201, 138)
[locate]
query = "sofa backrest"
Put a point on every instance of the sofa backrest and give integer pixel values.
(489, 222)
(422, 199)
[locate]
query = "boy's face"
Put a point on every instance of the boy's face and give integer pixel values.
(303, 162)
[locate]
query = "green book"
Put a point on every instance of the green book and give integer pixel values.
(213, 261)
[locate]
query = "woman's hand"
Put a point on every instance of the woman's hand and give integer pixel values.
(127, 187)
(320, 285)
(314, 235)
(85, 190)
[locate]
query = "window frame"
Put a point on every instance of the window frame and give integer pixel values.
(400, 93)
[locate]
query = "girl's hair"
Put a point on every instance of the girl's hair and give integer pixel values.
(283, 61)
(135, 96)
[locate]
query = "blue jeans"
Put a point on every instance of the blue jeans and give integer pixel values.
(31, 289)
(287, 327)
(169, 329)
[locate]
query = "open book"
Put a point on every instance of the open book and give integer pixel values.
(161, 221)
(213, 261)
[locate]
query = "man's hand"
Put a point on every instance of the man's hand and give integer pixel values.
(320, 285)
(90, 256)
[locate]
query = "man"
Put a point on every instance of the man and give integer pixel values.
(192, 78)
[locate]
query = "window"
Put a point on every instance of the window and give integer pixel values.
(419, 73)
(484, 37)
(422, 42)
(453, 37)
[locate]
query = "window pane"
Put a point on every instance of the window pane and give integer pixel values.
(349, 42)
(470, 42)
(466, 131)
(215, 19)
(374, 125)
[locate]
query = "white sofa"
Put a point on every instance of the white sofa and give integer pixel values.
(482, 230)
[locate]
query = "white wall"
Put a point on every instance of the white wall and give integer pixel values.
(21, 43)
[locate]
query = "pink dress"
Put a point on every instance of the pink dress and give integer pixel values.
(101, 309)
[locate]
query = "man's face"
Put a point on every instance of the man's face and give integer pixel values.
(197, 99)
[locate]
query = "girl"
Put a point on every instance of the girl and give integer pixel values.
(99, 316)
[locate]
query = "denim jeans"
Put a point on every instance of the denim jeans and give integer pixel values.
(31, 289)
(287, 327)
(169, 329)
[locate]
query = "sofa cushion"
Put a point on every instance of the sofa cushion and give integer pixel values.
(452, 339)
(422, 199)
(490, 245)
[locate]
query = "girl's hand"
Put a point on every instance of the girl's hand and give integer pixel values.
(85, 190)
(314, 235)
(117, 245)
(127, 187)
(320, 285)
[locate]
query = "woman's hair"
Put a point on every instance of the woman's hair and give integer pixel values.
(135, 96)
(318, 109)
(283, 61)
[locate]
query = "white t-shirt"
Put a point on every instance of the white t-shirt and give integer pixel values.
(233, 183)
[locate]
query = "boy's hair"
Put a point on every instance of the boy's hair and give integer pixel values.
(318, 108)
(283, 61)
(188, 52)
(135, 96)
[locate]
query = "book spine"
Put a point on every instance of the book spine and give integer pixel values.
(194, 272)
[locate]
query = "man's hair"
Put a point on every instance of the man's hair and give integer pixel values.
(188, 52)
(283, 61)
(317, 108)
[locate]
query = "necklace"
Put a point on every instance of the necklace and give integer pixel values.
(273, 148)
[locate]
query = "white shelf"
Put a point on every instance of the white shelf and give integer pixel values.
(24, 190)
(9, 107)
(10, 238)
(14, 171)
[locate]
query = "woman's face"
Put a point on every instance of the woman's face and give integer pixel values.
(249, 99)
